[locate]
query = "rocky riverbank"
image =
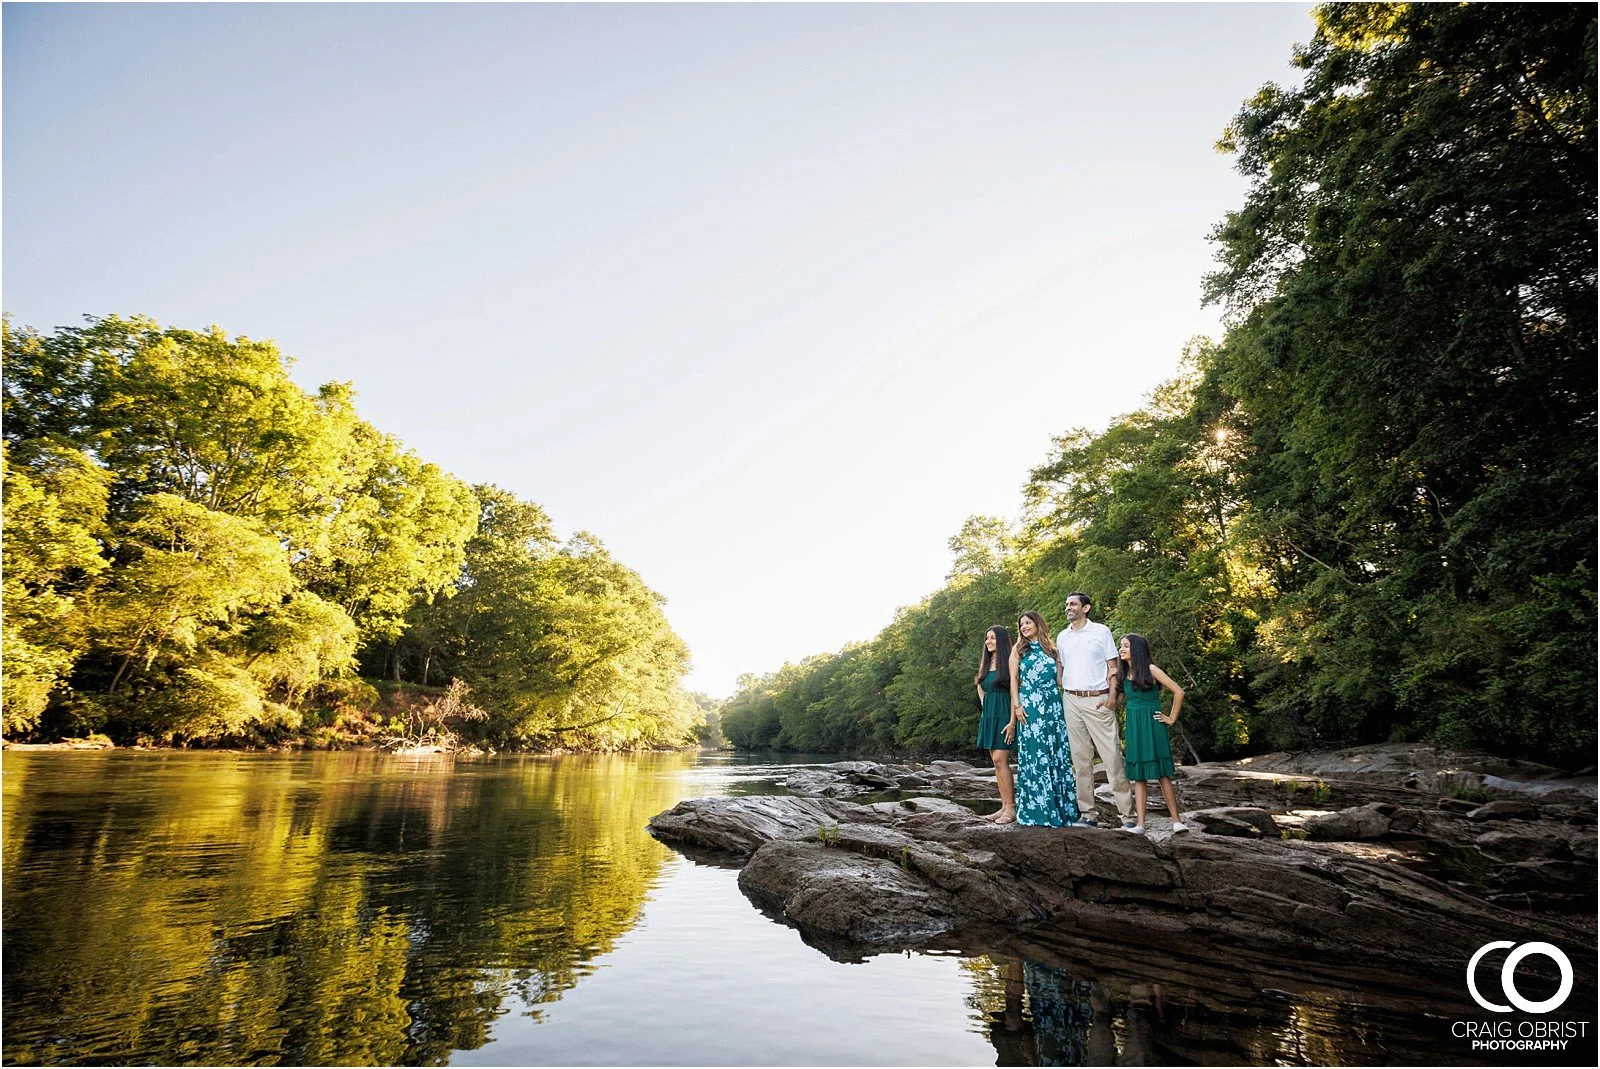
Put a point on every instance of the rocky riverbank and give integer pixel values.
(1357, 856)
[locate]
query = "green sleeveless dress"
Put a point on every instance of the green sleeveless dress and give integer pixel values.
(1145, 747)
(996, 714)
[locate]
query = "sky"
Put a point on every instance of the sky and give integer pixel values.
(769, 298)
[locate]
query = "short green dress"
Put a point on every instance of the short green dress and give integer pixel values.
(1145, 747)
(996, 714)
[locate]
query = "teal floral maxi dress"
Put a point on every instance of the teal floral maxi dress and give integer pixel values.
(1046, 791)
(996, 713)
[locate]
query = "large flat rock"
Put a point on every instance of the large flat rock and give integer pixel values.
(737, 826)
(895, 875)
(1358, 859)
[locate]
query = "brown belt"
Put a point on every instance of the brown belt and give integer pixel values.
(1088, 693)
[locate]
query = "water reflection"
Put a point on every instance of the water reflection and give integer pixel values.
(1067, 1021)
(1087, 1013)
(178, 908)
(317, 909)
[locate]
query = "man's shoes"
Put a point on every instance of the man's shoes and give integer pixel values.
(1086, 822)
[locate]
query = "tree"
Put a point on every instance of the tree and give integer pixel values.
(1412, 276)
(54, 509)
(190, 574)
(213, 420)
(218, 421)
(199, 547)
(292, 646)
(398, 537)
(563, 645)
(981, 546)
(1368, 512)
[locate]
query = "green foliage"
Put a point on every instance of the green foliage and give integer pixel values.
(296, 644)
(1480, 795)
(398, 539)
(196, 548)
(1413, 282)
(55, 504)
(942, 641)
(209, 699)
(565, 646)
(215, 421)
(187, 576)
(709, 732)
(1368, 512)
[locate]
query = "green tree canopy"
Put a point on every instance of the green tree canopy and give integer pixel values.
(1368, 512)
(564, 645)
(196, 548)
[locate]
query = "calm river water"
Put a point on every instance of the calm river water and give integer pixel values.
(181, 908)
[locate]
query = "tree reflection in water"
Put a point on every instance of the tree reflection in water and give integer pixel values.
(182, 908)
(317, 909)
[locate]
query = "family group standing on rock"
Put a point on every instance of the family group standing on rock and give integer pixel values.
(1055, 705)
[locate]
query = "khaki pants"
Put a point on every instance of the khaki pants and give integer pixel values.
(1091, 729)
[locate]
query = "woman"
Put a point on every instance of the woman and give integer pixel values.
(1146, 749)
(994, 686)
(1045, 788)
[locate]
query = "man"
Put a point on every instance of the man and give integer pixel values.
(1088, 676)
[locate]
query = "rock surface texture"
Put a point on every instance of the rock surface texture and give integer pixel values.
(1386, 877)
(849, 779)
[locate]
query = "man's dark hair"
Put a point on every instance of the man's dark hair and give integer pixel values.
(1082, 597)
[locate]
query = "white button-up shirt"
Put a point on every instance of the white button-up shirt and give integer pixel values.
(1084, 653)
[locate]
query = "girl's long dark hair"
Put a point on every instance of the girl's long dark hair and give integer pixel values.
(999, 661)
(1041, 629)
(1136, 666)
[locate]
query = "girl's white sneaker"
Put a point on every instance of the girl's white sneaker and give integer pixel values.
(1178, 825)
(1137, 829)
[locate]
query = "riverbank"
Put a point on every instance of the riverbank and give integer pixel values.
(371, 714)
(306, 746)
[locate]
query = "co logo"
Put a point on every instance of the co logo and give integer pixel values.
(1508, 979)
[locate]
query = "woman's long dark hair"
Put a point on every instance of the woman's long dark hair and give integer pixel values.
(1136, 666)
(1041, 629)
(999, 661)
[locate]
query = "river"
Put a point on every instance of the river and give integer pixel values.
(360, 908)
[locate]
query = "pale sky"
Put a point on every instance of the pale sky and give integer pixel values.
(769, 298)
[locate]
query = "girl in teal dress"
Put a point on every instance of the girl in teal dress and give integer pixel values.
(1046, 791)
(994, 691)
(1146, 749)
